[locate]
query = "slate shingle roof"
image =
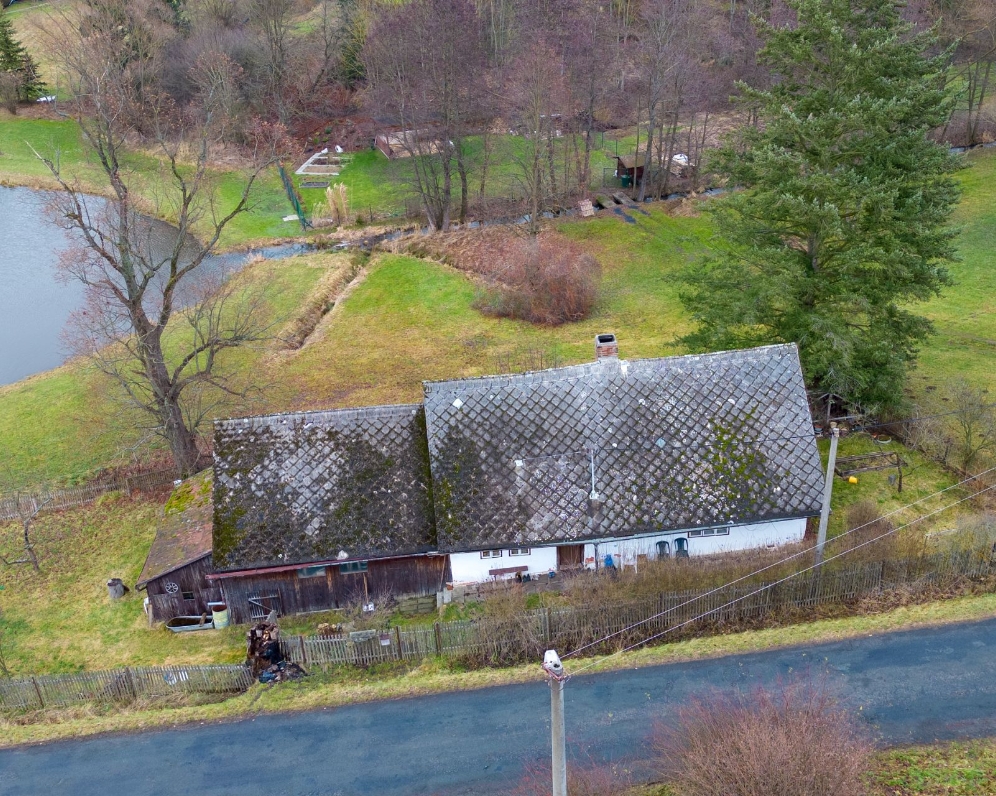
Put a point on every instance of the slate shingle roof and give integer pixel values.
(670, 443)
(181, 538)
(316, 485)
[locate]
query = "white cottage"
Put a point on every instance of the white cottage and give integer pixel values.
(621, 460)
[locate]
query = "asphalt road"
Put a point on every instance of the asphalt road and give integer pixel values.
(912, 686)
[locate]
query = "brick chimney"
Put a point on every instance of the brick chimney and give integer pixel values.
(606, 347)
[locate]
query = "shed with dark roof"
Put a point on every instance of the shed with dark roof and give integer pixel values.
(176, 569)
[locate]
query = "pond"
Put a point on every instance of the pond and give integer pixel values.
(34, 303)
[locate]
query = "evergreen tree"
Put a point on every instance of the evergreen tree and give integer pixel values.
(842, 223)
(16, 60)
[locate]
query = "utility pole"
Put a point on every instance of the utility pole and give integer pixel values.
(821, 537)
(555, 671)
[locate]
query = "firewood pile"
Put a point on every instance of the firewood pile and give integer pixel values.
(263, 647)
(265, 659)
(281, 672)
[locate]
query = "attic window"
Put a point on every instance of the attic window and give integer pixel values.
(352, 567)
(311, 572)
(491, 554)
(519, 551)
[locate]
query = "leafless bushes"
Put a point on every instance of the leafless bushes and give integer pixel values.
(584, 778)
(509, 632)
(958, 422)
(791, 742)
(681, 574)
(544, 280)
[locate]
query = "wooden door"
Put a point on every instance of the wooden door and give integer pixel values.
(570, 556)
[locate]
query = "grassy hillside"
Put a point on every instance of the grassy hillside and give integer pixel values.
(62, 620)
(410, 320)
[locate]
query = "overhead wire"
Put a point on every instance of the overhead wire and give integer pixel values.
(786, 559)
(777, 582)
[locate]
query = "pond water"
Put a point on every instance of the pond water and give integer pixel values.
(34, 304)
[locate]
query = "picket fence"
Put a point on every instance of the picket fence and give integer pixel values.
(524, 636)
(122, 685)
(12, 508)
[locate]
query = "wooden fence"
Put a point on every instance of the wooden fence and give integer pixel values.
(122, 685)
(12, 508)
(525, 636)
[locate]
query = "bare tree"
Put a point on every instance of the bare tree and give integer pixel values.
(26, 507)
(536, 96)
(138, 282)
(424, 65)
(273, 20)
(974, 422)
(667, 57)
(591, 55)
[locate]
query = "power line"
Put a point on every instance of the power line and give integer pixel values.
(782, 580)
(788, 558)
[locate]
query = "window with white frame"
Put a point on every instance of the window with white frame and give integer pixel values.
(491, 554)
(709, 532)
(518, 551)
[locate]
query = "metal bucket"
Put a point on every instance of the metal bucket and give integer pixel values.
(219, 612)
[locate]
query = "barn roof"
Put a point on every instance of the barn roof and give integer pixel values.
(615, 448)
(313, 486)
(181, 538)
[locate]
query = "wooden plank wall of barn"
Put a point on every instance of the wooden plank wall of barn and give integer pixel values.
(189, 578)
(251, 597)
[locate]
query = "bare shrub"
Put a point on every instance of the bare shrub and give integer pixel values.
(682, 574)
(793, 741)
(585, 777)
(864, 522)
(509, 632)
(544, 280)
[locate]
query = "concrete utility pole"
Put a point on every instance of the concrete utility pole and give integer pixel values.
(821, 536)
(555, 671)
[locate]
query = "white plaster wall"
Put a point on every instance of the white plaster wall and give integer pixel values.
(471, 568)
(741, 537)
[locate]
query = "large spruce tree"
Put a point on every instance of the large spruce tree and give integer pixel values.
(841, 225)
(16, 60)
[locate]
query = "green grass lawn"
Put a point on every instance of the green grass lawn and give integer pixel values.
(60, 140)
(61, 620)
(378, 187)
(958, 768)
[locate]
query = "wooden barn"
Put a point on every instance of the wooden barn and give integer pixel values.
(325, 585)
(317, 510)
(176, 569)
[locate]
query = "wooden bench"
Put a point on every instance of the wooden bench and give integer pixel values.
(507, 571)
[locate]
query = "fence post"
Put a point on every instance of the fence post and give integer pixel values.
(546, 625)
(397, 639)
(304, 654)
(41, 702)
(439, 638)
(131, 683)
